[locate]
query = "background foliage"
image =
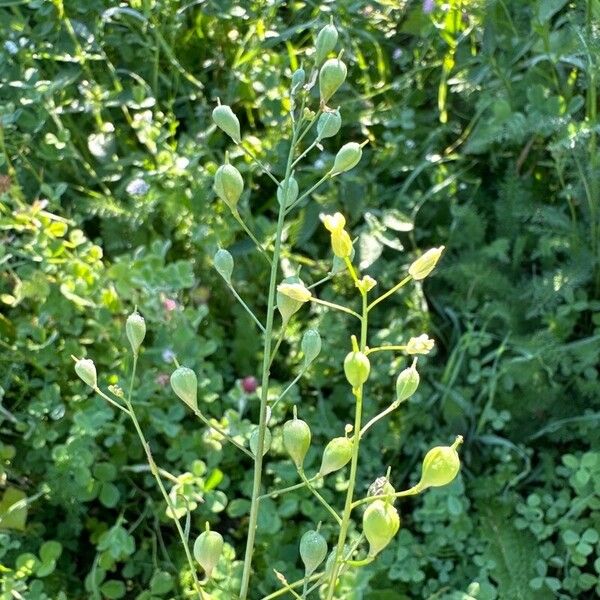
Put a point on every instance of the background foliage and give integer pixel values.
(482, 122)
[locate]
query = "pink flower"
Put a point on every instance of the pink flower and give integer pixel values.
(162, 379)
(249, 384)
(169, 304)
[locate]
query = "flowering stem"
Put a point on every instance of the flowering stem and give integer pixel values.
(389, 292)
(354, 462)
(268, 339)
(382, 348)
(156, 473)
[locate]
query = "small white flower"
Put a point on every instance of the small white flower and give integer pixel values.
(420, 345)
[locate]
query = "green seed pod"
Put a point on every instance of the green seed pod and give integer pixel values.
(347, 158)
(381, 522)
(440, 465)
(326, 40)
(135, 327)
(223, 263)
(423, 266)
(229, 185)
(407, 383)
(313, 550)
(337, 454)
(287, 305)
(329, 124)
(291, 195)
(207, 550)
(331, 77)
(296, 440)
(226, 120)
(310, 345)
(254, 441)
(298, 79)
(357, 368)
(86, 370)
(185, 384)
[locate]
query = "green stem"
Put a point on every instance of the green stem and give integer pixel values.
(290, 586)
(389, 292)
(238, 218)
(285, 490)
(320, 498)
(413, 491)
(264, 169)
(246, 307)
(391, 408)
(262, 425)
(383, 348)
(321, 181)
(335, 306)
(220, 431)
(354, 462)
(109, 399)
(155, 472)
(288, 388)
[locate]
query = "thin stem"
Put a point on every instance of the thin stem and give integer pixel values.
(413, 491)
(277, 344)
(383, 348)
(354, 462)
(285, 490)
(321, 181)
(220, 431)
(288, 388)
(391, 408)
(320, 498)
(309, 126)
(389, 292)
(335, 306)
(264, 168)
(289, 586)
(308, 149)
(246, 307)
(109, 399)
(248, 231)
(352, 271)
(258, 460)
(321, 281)
(155, 472)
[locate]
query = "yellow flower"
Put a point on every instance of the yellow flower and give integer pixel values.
(296, 291)
(420, 345)
(340, 239)
(423, 266)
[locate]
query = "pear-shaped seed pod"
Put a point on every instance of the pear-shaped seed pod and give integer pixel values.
(135, 327)
(223, 263)
(185, 384)
(291, 192)
(347, 158)
(440, 465)
(331, 76)
(381, 522)
(310, 345)
(337, 454)
(298, 79)
(226, 120)
(296, 440)
(229, 185)
(325, 43)
(313, 550)
(329, 124)
(207, 550)
(357, 368)
(254, 441)
(407, 383)
(86, 371)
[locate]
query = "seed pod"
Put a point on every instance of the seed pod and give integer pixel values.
(86, 370)
(310, 345)
(135, 327)
(348, 157)
(381, 522)
(291, 195)
(223, 263)
(337, 454)
(229, 185)
(357, 368)
(313, 550)
(254, 441)
(226, 120)
(440, 465)
(331, 76)
(298, 79)
(326, 40)
(423, 266)
(329, 124)
(407, 383)
(287, 305)
(207, 550)
(296, 440)
(185, 384)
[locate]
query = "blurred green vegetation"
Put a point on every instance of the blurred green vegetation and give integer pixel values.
(482, 121)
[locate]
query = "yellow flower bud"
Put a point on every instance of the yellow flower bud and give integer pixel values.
(423, 266)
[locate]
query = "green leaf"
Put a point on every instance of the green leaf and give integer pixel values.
(113, 589)
(13, 509)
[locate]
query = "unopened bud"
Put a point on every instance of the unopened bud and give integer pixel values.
(337, 455)
(331, 76)
(86, 370)
(229, 185)
(226, 120)
(223, 263)
(207, 550)
(423, 266)
(313, 550)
